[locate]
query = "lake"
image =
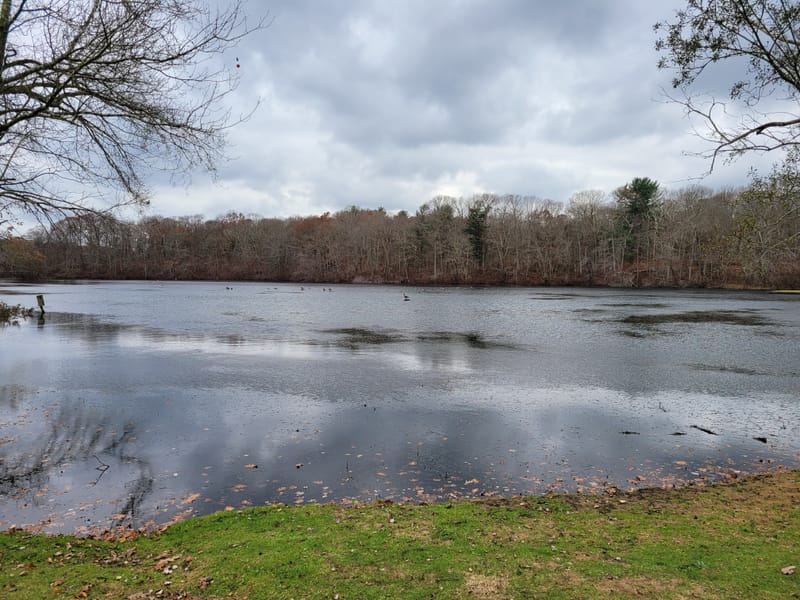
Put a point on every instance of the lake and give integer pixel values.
(138, 403)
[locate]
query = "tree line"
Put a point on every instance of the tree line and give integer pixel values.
(95, 95)
(640, 235)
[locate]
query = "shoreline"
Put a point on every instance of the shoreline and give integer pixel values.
(733, 540)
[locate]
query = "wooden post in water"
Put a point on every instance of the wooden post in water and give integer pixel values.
(40, 300)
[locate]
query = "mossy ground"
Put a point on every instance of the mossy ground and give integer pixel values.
(724, 541)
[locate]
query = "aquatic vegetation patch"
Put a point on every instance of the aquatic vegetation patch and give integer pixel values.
(728, 317)
(770, 333)
(556, 297)
(633, 334)
(724, 369)
(637, 305)
(354, 336)
(470, 338)
(10, 314)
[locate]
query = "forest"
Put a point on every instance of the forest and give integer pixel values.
(640, 235)
(105, 105)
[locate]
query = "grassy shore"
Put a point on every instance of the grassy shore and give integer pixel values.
(735, 540)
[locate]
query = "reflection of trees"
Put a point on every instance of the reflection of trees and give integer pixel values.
(89, 328)
(10, 395)
(86, 327)
(75, 436)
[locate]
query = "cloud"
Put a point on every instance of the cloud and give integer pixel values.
(374, 104)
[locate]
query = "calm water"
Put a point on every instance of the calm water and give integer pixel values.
(143, 402)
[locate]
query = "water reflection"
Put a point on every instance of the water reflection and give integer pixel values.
(240, 399)
(255, 448)
(11, 395)
(65, 446)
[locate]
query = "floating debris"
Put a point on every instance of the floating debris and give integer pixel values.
(703, 429)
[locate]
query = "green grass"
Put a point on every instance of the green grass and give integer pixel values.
(724, 541)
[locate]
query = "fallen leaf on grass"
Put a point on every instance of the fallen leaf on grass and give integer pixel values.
(164, 562)
(788, 570)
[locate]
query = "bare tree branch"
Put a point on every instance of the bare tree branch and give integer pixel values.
(763, 35)
(96, 93)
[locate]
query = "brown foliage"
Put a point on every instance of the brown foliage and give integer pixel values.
(691, 242)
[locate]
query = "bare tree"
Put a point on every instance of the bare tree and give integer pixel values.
(761, 36)
(767, 222)
(95, 93)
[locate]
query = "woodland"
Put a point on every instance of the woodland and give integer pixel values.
(100, 94)
(639, 236)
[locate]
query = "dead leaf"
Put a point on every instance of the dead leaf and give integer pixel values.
(164, 563)
(251, 466)
(788, 570)
(189, 499)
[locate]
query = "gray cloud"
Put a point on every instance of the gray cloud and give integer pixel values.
(380, 104)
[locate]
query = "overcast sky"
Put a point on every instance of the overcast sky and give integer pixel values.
(388, 104)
